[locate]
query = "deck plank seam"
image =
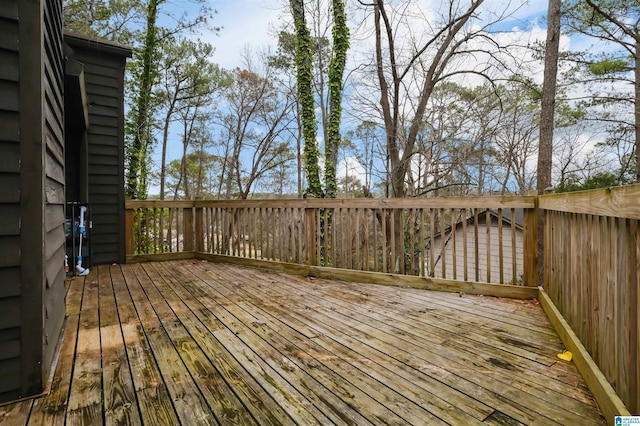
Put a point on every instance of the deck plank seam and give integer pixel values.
(276, 297)
(382, 384)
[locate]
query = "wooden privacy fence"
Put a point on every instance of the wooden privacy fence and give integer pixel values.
(592, 272)
(466, 239)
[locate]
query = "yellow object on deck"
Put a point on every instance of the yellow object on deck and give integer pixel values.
(566, 355)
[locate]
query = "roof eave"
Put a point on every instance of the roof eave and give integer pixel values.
(82, 40)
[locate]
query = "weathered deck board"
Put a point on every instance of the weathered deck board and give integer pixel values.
(191, 342)
(120, 405)
(444, 356)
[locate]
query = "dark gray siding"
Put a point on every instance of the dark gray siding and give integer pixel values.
(54, 289)
(104, 85)
(31, 200)
(10, 212)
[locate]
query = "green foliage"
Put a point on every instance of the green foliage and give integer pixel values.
(340, 34)
(609, 66)
(614, 22)
(601, 18)
(141, 115)
(186, 85)
(199, 166)
(285, 55)
(135, 23)
(304, 63)
(110, 20)
(600, 180)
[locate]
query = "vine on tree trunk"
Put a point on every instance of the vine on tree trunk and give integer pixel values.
(304, 62)
(340, 34)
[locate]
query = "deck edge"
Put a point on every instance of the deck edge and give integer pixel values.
(159, 257)
(379, 278)
(606, 397)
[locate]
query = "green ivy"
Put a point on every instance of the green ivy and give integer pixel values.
(140, 122)
(304, 61)
(340, 33)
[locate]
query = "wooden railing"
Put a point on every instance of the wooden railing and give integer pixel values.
(592, 275)
(591, 256)
(466, 239)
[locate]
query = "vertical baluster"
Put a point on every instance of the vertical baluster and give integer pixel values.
(465, 245)
(500, 245)
(454, 244)
(488, 220)
(514, 257)
(422, 246)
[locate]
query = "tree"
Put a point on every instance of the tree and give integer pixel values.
(139, 125)
(304, 66)
(256, 129)
(518, 137)
(284, 60)
(573, 182)
(351, 186)
(278, 181)
(401, 74)
(186, 77)
(340, 34)
(135, 22)
(454, 147)
(370, 151)
(614, 22)
(112, 20)
(200, 166)
(194, 117)
(547, 124)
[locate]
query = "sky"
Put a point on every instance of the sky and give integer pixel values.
(251, 22)
(244, 22)
(254, 22)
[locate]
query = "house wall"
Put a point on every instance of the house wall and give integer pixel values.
(32, 195)
(494, 250)
(54, 200)
(10, 211)
(104, 84)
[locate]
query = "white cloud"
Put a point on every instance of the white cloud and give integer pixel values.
(352, 167)
(244, 22)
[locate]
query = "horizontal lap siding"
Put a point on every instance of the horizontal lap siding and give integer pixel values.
(54, 289)
(482, 256)
(10, 212)
(104, 83)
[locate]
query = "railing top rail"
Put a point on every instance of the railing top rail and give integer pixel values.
(371, 203)
(153, 204)
(622, 201)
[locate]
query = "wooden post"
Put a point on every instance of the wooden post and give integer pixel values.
(188, 229)
(199, 234)
(128, 231)
(310, 219)
(530, 246)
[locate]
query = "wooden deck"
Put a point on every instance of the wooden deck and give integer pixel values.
(191, 342)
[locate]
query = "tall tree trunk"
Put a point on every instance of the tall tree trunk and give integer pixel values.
(141, 121)
(545, 147)
(336, 71)
(637, 108)
(184, 178)
(304, 63)
(390, 118)
(299, 150)
(165, 141)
